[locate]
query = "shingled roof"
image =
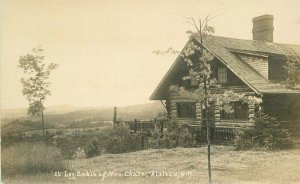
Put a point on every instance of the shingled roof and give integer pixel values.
(224, 49)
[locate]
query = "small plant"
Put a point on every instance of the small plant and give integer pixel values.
(79, 154)
(267, 133)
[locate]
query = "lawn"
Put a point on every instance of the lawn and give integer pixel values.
(179, 165)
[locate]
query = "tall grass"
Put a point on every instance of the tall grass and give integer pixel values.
(31, 158)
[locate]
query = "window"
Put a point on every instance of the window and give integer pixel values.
(222, 75)
(276, 70)
(186, 109)
(240, 112)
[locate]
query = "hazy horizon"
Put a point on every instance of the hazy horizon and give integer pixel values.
(82, 107)
(104, 48)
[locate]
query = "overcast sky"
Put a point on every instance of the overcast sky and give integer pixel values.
(104, 48)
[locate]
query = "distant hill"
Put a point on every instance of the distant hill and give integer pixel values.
(19, 112)
(69, 113)
(67, 116)
(140, 111)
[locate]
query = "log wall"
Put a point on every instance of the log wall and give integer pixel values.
(174, 97)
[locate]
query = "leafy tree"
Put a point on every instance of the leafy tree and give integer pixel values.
(36, 81)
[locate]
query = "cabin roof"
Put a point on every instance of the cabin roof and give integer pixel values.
(224, 49)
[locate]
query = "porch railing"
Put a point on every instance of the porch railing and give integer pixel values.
(147, 126)
(217, 133)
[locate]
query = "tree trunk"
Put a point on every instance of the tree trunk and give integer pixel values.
(207, 132)
(43, 123)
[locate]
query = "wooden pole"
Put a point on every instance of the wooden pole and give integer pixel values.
(135, 125)
(115, 116)
(142, 141)
(43, 124)
(162, 127)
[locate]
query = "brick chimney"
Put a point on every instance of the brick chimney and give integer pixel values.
(263, 28)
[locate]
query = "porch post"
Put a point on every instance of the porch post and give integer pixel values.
(173, 110)
(251, 109)
(217, 113)
(199, 111)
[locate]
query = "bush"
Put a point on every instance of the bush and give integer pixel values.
(266, 133)
(69, 144)
(120, 140)
(79, 154)
(174, 136)
(109, 140)
(28, 158)
(59, 132)
(93, 149)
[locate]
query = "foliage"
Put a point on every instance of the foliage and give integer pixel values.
(173, 136)
(93, 149)
(69, 145)
(109, 140)
(266, 133)
(170, 50)
(16, 138)
(120, 140)
(92, 142)
(197, 60)
(292, 69)
(31, 158)
(225, 100)
(79, 154)
(36, 84)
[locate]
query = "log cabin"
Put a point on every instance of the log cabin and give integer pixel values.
(252, 67)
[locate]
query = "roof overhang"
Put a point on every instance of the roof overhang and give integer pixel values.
(226, 56)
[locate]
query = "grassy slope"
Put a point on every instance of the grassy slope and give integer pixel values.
(228, 166)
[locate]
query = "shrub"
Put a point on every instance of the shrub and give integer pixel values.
(120, 140)
(79, 154)
(69, 144)
(174, 136)
(59, 132)
(28, 158)
(93, 149)
(266, 133)
(109, 140)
